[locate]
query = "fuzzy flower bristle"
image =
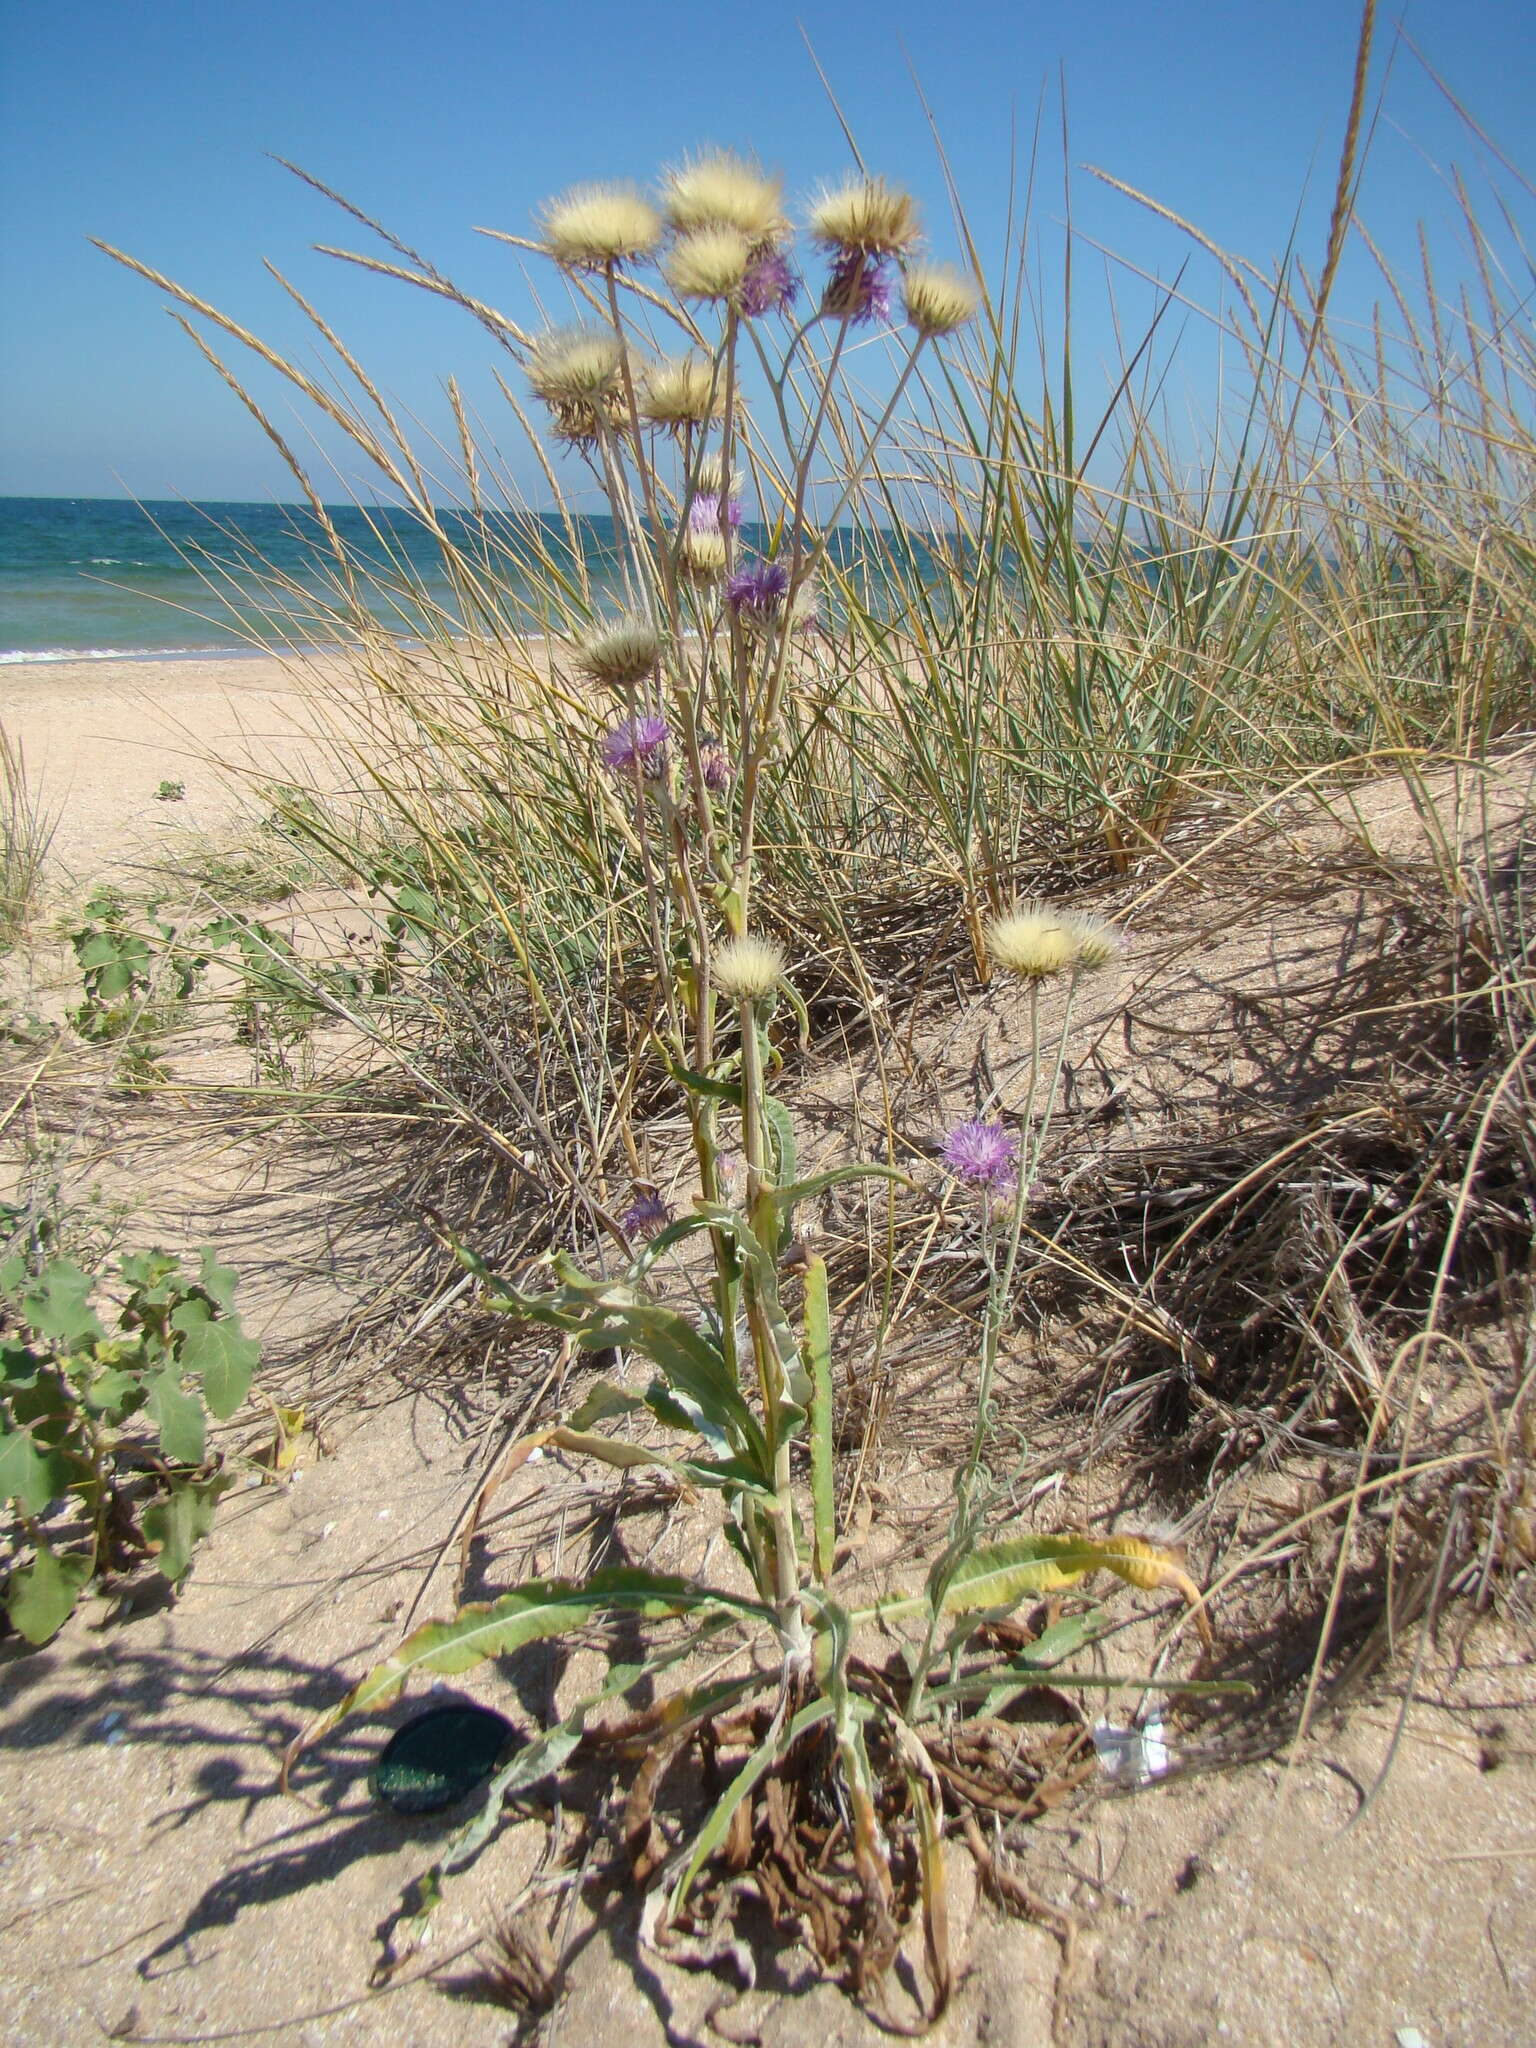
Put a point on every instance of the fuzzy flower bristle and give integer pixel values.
(1097, 940)
(722, 190)
(620, 653)
(937, 299)
(711, 478)
(757, 592)
(984, 1154)
(574, 365)
(599, 225)
(866, 217)
(709, 264)
(769, 283)
(682, 392)
(706, 513)
(1032, 942)
(702, 554)
(858, 289)
(647, 1214)
(749, 969)
(636, 746)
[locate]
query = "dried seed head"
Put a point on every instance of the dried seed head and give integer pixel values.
(621, 653)
(709, 264)
(721, 190)
(1097, 940)
(574, 365)
(1032, 942)
(600, 224)
(682, 392)
(748, 970)
(866, 217)
(702, 555)
(937, 299)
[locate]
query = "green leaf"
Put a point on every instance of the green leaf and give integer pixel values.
(218, 1354)
(765, 1281)
(113, 1392)
(175, 1525)
(178, 1416)
(601, 1401)
(818, 1354)
(781, 1133)
(30, 1476)
(217, 1282)
(57, 1305)
(42, 1595)
(538, 1609)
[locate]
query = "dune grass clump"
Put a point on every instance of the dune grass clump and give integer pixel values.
(867, 672)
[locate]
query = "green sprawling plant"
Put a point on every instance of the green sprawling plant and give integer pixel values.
(839, 1754)
(104, 1457)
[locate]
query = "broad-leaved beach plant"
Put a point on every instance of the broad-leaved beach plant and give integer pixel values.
(836, 1750)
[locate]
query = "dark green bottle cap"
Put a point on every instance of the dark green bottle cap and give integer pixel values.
(439, 1758)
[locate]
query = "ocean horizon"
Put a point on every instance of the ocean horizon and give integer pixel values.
(85, 579)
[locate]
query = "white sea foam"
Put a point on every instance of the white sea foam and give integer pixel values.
(13, 656)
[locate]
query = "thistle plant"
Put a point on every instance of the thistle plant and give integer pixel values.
(691, 677)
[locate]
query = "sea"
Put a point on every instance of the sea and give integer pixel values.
(97, 579)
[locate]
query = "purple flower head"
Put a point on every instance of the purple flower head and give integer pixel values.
(768, 284)
(646, 1215)
(986, 1155)
(636, 744)
(704, 513)
(758, 591)
(858, 288)
(715, 767)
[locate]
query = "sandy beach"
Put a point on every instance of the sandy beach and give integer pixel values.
(98, 739)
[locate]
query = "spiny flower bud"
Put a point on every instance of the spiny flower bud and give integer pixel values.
(866, 217)
(620, 654)
(598, 225)
(682, 392)
(711, 478)
(702, 554)
(1097, 940)
(574, 365)
(709, 264)
(937, 299)
(858, 289)
(1032, 942)
(748, 970)
(720, 190)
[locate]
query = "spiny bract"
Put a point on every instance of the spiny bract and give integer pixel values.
(722, 190)
(866, 216)
(937, 299)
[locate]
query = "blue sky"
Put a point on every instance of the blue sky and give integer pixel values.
(148, 124)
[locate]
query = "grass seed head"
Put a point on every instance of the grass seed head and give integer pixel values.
(709, 264)
(599, 225)
(620, 653)
(683, 391)
(866, 217)
(722, 190)
(1032, 942)
(749, 969)
(937, 299)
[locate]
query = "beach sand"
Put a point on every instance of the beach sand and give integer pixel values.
(98, 738)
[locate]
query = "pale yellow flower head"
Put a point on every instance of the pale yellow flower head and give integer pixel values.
(711, 478)
(702, 555)
(867, 216)
(574, 365)
(682, 392)
(620, 652)
(1097, 940)
(749, 969)
(600, 224)
(937, 299)
(709, 264)
(1032, 942)
(721, 190)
